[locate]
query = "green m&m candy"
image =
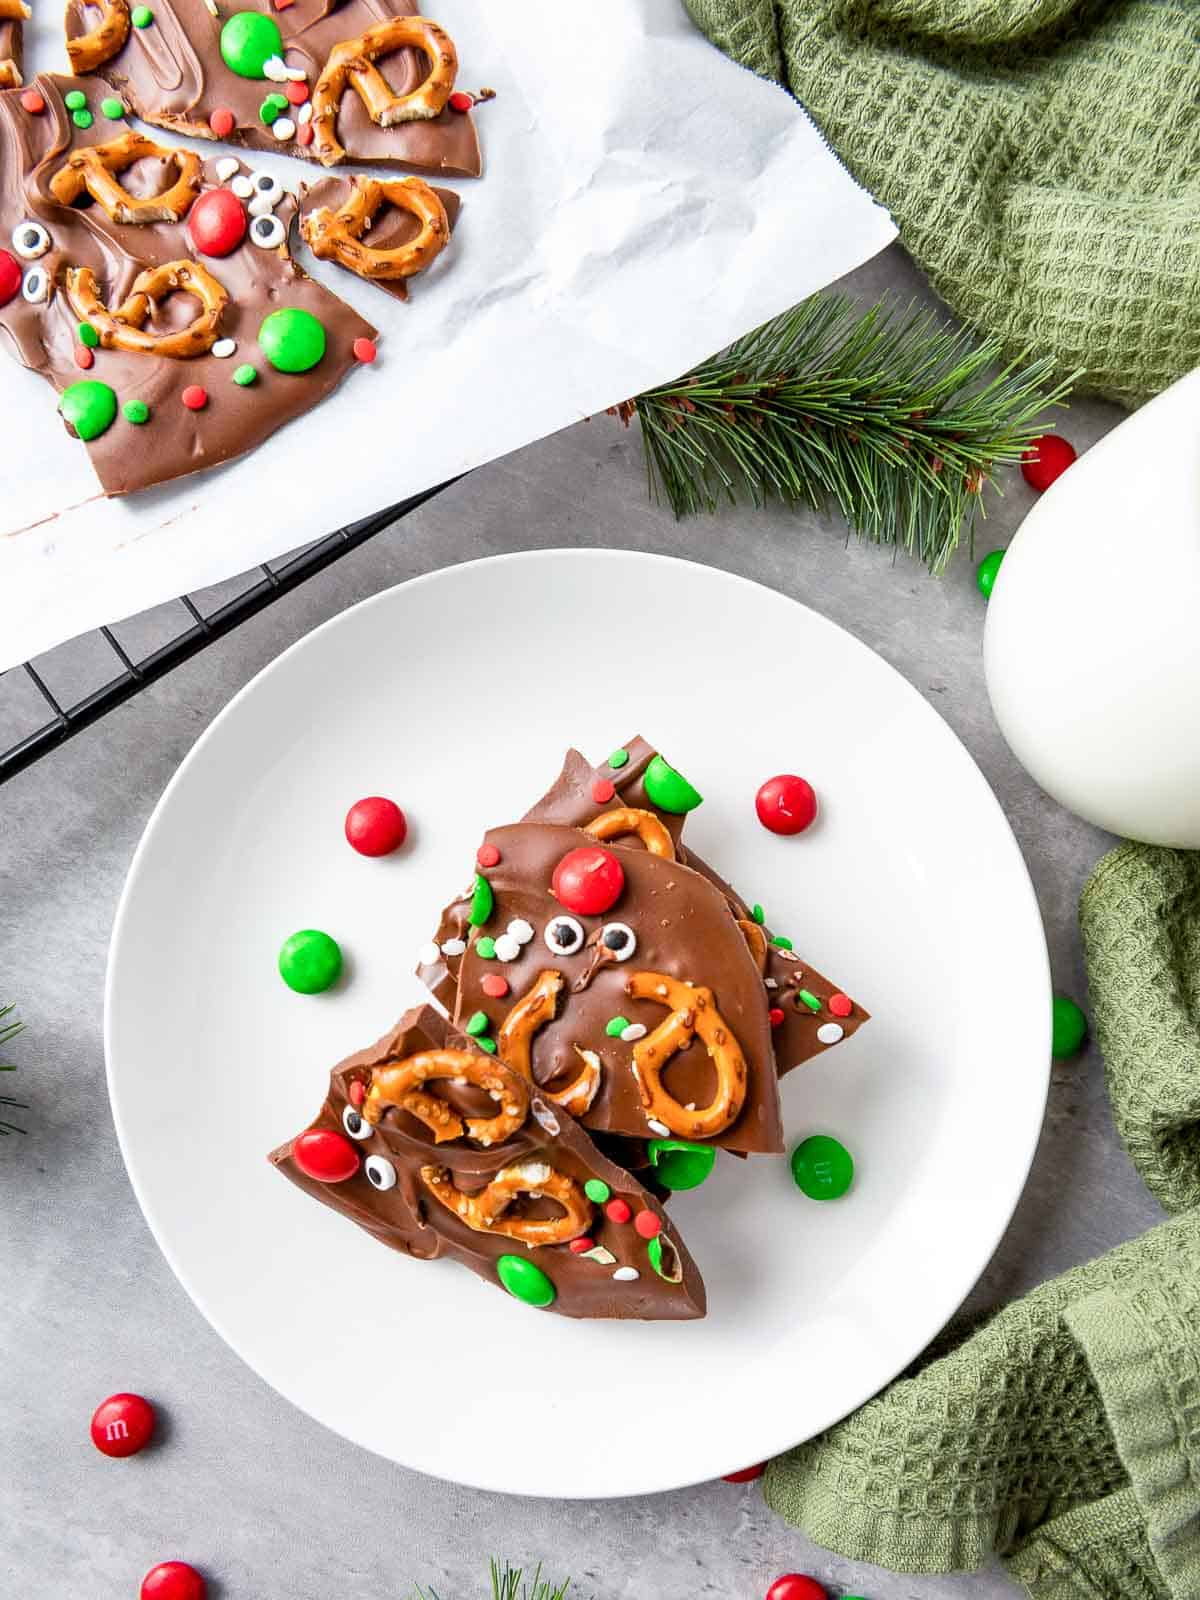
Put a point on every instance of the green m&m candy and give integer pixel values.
(75, 100)
(669, 790)
(664, 1258)
(822, 1167)
(248, 41)
(1069, 1028)
(112, 108)
(292, 340)
(141, 16)
(310, 961)
(88, 408)
(524, 1281)
(987, 572)
(136, 411)
(597, 1191)
(483, 903)
(680, 1164)
(245, 375)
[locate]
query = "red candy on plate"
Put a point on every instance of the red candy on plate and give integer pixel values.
(217, 222)
(588, 881)
(786, 804)
(173, 1580)
(122, 1425)
(326, 1155)
(375, 826)
(746, 1475)
(795, 1586)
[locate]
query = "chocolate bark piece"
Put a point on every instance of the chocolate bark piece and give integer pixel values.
(684, 932)
(42, 328)
(173, 74)
(807, 1029)
(408, 1217)
(13, 16)
(390, 229)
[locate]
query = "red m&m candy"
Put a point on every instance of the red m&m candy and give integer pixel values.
(795, 1586)
(122, 1425)
(326, 1155)
(786, 804)
(375, 826)
(217, 222)
(1046, 459)
(10, 277)
(746, 1475)
(588, 881)
(173, 1580)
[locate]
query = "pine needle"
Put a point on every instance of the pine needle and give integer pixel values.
(9, 1030)
(890, 416)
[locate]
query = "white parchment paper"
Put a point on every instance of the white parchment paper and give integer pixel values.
(644, 201)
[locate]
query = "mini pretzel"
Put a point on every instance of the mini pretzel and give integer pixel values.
(92, 49)
(402, 1084)
(122, 329)
(337, 235)
(94, 168)
(485, 1211)
(627, 819)
(351, 65)
(692, 1012)
(514, 1043)
(757, 940)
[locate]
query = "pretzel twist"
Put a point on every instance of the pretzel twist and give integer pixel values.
(485, 1211)
(514, 1044)
(337, 235)
(692, 1012)
(90, 50)
(94, 168)
(402, 1084)
(10, 75)
(351, 65)
(122, 328)
(628, 819)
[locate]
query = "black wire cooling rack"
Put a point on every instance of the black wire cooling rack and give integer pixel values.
(131, 673)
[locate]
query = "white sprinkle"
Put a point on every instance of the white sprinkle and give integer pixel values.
(454, 947)
(296, 74)
(660, 1128)
(691, 1106)
(770, 983)
(273, 67)
(223, 348)
(283, 128)
(496, 1095)
(545, 1118)
(242, 187)
(534, 1171)
(262, 205)
(634, 1032)
(459, 1082)
(226, 168)
(305, 112)
(507, 948)
(212, 6)
(428, 954)
(626, 1274)
(600, 1254)
(520, 930)
(830, 1032)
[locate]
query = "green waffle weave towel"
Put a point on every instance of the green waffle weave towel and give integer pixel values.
(1041, 158)
(1064, 1434)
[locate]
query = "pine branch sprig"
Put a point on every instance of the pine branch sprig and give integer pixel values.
(9, 1030)
(888, 415)
(510, 1583)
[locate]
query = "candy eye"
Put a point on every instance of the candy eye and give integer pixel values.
(36, 287)
(563, 936)
(381, 1174)
(619, 938)
(266, 186)
(30, 240)
(267, 232)
(355, 1124)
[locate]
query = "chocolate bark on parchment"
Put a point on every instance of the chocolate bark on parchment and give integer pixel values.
(13, 15)
(614, 1275)
(173, 74)
(390, 229)
(43, 330)
(681, 952)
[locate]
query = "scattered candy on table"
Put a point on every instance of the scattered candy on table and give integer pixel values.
(122, 1425)
(786, 804)
(795, 1586)
(310, 961)
(987, 572)
(1069, 1028)
(375, 826)
(822, 1167)
(173, 1580)
(1046, 460)
(588, 880)
(746, 1475)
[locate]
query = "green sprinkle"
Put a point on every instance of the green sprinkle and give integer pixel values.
(810, 999)
(616, 1026)
(597, 1191)
(88, 335)
(758, 914)
(112, 108)
(136, 411)
(245, 375)
(487, 1044)
(665, 1259)
(82, 119)
(273, 106)
(478, 1022)
(485, 948)
(618, 759)
(75, 100)
(781, 943)
(483, 902)
(141, 16)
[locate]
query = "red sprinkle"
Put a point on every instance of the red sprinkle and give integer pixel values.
(304, 133)
(83, 356)
(602, 791)
(840, 1005)
(647, 1225)
(33, 102)
(578, 1246)
(461, 101)
(746, 1475)
(775, 1017)
(364, 349)
(297, 93)
(222, 121)
(487, 855)
(358, 1093)
(617, 1211)
(494, 986)
(194, 397)
(282, 5)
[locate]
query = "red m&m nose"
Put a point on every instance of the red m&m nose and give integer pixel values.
(588, 881)
(217, 222)
(326, 1155)
(10, 277)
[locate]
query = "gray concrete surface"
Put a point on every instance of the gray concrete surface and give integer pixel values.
(272, 1506)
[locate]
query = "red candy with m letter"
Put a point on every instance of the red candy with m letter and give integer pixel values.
(786, 804)
(122, 1425)
(795, 1586)
(588, 881)
(217, 222)
(173, 1580)
(326, 1155)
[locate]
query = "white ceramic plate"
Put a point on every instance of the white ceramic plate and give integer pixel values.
(457, 695)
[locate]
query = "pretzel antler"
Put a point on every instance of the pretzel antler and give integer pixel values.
(351, 65)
